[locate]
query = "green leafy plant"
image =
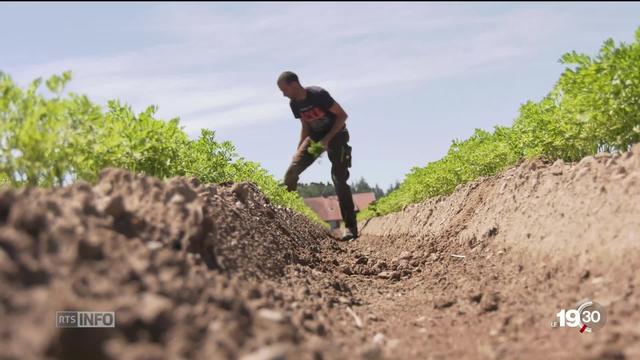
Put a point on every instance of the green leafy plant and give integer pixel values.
(315, 148)
(593, 107)
(55, 140)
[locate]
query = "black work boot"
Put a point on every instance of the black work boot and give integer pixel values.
(349, 234)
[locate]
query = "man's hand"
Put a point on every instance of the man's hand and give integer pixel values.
(315, 149)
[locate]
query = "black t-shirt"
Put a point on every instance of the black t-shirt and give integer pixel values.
(314, 110)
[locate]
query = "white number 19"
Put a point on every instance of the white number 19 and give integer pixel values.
(569, 318)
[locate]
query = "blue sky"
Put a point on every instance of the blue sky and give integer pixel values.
(411, 76)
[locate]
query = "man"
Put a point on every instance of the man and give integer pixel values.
(323, 120)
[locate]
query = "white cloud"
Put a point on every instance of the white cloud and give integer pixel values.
(237, 117)
(220, 70)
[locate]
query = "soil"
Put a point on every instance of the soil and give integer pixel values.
(201, 271)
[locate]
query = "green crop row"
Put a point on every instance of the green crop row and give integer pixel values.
(54, 140)
(593, 107)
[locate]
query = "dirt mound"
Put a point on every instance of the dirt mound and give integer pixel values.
(504, 254)
(232, 227)
(170, 259)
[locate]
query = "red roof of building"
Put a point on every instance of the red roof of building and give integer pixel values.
(328, 207)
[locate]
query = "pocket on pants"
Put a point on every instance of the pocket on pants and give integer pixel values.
(345, 157)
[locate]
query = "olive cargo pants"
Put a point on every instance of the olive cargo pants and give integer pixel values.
(340, 156)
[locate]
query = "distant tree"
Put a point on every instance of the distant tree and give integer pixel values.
(361, 186)
(392, 187)
(315, 189)
(378, 192)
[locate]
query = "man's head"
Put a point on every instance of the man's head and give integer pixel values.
(289, 84)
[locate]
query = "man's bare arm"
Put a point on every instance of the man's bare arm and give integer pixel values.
(341, 118)
(304, 132)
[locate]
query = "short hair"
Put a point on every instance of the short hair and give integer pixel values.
(288, 77)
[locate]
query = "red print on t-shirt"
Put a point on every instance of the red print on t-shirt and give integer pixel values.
(312, 115)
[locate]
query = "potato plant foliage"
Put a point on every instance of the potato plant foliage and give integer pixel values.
(593, 107)
(52, 138)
